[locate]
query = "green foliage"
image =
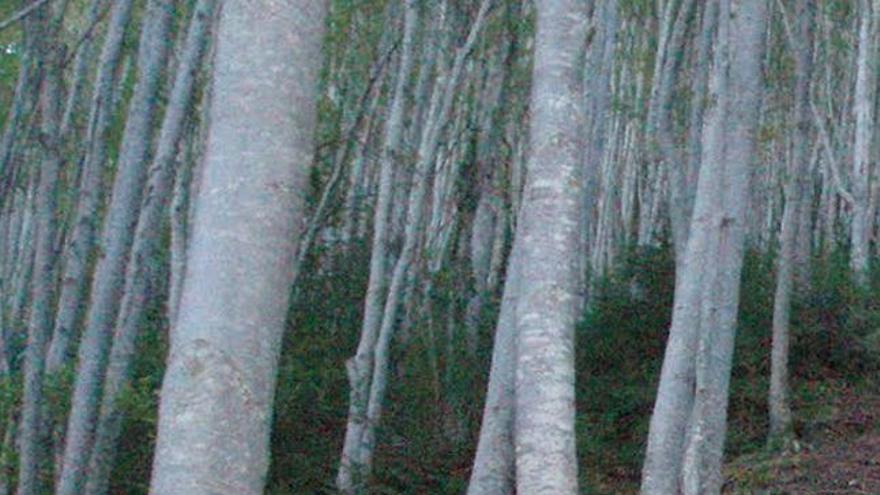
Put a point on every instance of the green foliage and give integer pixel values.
(619, 351)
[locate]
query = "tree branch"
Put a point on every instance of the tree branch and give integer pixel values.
(21, 14)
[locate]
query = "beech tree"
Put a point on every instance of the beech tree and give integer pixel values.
(688, 425)
(217, 393)
(406, 213)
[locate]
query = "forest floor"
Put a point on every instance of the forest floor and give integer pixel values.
(838, 452)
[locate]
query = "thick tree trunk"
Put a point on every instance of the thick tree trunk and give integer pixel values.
(708, 422)
(216, 406)
(547, 305)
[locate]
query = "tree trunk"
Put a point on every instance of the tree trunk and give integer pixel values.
(688, 424)
(216, 407)
(863, 109)
(31, 438)
(117, 234)
(493, 472)
(547, 305)
(350, 477)
(781, 431)
(74, 281)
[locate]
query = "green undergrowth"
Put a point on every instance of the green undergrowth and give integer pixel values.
(621, 344)
(434, 404)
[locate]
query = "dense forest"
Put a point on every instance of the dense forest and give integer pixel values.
(439, 246)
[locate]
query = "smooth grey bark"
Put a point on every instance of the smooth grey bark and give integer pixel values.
(781, 431)
(661, 124)
(494, 462)
(216, 406)
(182, 207)
(75, 279)
(31, 437)
(687, 427)
(708, 423)
(682, 184)
(117, 234)
(144, 249)
(546, 312)
(352, 476)
(863, 112)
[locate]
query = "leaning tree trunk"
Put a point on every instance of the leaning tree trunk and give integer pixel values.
(493, 471)
(547, 305)
(30, 442)
(74, 281)
(117, 234)
(216, 407)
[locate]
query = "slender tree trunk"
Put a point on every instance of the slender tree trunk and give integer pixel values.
(25, 92)
(24, 259)
(683, 185)
(373, 378)
(83, 58)
(660, 124)
(351, 477)
(31, 441)
(488, 211)
(493, 471)
(74, 281)
(143, 253)
(117, 235)
(781, 431)
(863, 109)
(216, 407)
